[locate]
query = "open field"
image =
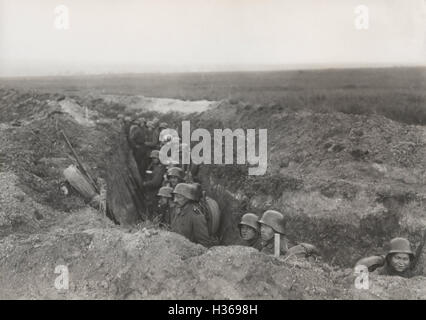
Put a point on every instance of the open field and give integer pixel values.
(397, 93)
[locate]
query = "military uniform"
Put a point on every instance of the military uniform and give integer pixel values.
(156, 181)
(268, 247)
(126, 129)
(152, 138)
(387, 270)
(168, 212)
(140, 151)
(151, 188)
(191, 222)
(254, 243)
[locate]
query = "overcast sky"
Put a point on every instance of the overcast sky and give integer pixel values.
(189, 35)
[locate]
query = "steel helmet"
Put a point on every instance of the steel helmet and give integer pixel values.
(165, 192)
(198, 191)
(120, 116)
(187, 190)
(251, 220)
(155, 154)
(273, 219)
(127, 119)
(400, 245)
(166, 138)
(163, 125)
(176, 172)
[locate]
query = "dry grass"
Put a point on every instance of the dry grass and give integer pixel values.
(397, 93)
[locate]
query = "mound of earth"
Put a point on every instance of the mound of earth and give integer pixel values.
(162, 105)
(108, 263)
(392, 288)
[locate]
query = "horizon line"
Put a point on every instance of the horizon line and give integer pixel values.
(271, 68)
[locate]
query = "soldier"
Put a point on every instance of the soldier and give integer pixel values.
(127, 122)
(142, 123)
(162, 126)
(137, 143)
(166, 206)
(249, 231)
(152, 185)
(151, 135)
(397, 262)
(175, 175)
(190, 221)
(272, 222)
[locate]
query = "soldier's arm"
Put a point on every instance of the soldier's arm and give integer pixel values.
(372, 262)
(157, 179)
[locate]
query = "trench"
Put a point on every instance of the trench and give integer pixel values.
(340, 242)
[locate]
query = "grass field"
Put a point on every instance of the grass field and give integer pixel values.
(397, 93)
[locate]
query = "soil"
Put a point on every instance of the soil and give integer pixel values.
(346, 183)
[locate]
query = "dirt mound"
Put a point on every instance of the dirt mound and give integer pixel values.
(31, 144)
(105, 262)
(19, 213)
(392, 288)
(161, 105)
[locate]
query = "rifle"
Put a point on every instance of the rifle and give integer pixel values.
(79, 163)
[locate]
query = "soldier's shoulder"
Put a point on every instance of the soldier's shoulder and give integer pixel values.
(195, 208)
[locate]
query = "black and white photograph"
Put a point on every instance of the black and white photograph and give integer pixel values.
(212, 150)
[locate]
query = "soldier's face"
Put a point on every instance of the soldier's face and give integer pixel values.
(155, 161)
(163, 201)
(266, 232)
(180, 200)
(400, 261)
(174, 181)
(247, 233)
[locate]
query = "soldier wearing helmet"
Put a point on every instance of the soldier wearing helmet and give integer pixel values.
(190, 219)
(249, 231)
(136, 140)
(273, 222)
(175, 175)
(127, 122)
(166, 206)
(152, 135)
(154, 182)
(398, 261)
